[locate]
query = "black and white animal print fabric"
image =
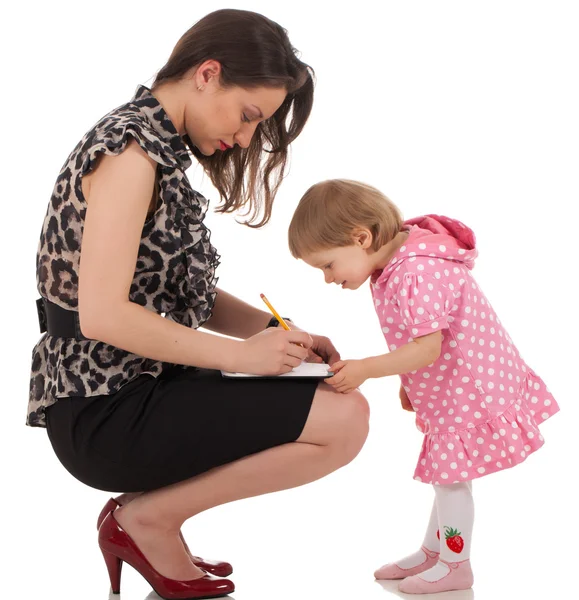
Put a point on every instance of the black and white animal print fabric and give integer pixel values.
(175, 270)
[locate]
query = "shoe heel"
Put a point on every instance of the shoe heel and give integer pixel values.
(114, 566)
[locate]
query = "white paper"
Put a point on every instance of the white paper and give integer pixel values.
(303, 370)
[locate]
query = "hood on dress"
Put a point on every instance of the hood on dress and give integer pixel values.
(435, 236)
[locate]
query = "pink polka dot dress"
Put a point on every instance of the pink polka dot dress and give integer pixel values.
(479, 404)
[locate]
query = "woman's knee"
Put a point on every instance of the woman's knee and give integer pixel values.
(338, 421)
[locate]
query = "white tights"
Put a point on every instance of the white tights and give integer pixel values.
(452, 516)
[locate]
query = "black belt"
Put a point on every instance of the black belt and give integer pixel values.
(58, 321)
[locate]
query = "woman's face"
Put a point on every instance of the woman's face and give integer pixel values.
(216, 118)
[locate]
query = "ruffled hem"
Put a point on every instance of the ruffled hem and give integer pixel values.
(500, 443)
(64, 367)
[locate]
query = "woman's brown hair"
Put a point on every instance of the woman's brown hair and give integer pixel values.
(253, 52)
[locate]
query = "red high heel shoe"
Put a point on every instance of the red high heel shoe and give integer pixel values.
(219, 568)
(117, 546)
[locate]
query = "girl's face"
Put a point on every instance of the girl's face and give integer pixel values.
(216, 119)
(347, 266)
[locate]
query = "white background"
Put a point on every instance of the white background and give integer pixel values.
(467, 109)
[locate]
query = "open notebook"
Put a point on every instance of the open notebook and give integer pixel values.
(315, 370)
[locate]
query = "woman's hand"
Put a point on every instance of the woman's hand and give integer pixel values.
(348, 375)
(322, 350)
(273, 351)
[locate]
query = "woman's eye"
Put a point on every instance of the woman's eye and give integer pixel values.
(245, 118)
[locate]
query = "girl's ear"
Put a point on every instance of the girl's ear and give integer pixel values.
(362, 237)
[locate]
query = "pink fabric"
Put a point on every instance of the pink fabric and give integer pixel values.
(479, 404)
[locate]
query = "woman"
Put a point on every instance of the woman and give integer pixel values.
(128, 388)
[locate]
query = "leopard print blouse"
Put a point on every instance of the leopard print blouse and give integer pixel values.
(175, 269)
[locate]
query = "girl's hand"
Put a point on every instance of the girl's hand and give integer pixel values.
(348, 375)
(272, 352)
(404, 400)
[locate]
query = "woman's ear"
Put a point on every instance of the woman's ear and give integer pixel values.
(209, 71)
(363, 238)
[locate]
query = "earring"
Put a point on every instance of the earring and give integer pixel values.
(200, 88)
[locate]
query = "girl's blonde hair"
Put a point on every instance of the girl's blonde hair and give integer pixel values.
(330, 211)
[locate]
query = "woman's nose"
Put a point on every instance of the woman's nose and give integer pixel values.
(328, 277)
(243, 136)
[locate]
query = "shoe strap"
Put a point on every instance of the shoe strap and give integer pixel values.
(429, 553)
(453, 565)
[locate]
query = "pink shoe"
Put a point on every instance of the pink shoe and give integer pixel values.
(393, 571)
(458, 578)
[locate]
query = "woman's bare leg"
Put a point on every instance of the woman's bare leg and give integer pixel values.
(334, 433)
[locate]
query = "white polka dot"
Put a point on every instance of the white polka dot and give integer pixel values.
(422, 246)
(442, 248)
(481, 470)
(453, 465)
(444, 456)
(450, 446)
(444, 475)
(426, 298)
(464, 474)
(487, 458)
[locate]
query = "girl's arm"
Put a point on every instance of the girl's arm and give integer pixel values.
(419, 353)
(415, 355)
(118, 193)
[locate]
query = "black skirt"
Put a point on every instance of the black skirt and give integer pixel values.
(159, 431)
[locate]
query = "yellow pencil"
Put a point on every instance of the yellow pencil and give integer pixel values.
(275, 313)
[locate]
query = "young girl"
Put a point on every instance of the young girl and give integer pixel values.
(477, 402)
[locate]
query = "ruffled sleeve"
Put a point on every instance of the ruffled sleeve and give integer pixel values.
(113, 135)
(424, 303)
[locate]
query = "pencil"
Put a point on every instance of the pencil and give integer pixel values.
(275, 313)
